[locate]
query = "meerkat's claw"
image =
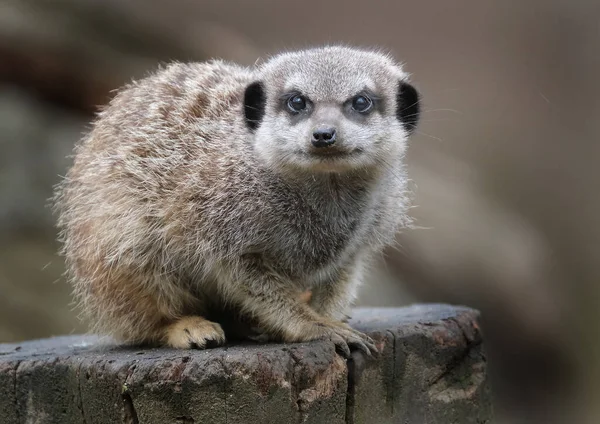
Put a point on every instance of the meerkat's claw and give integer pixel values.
(369, 347)
(347, 339)
(194, 332)
(341, 345)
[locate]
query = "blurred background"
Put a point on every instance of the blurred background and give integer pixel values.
(504, 163)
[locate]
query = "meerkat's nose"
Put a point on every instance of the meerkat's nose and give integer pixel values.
(323, 137)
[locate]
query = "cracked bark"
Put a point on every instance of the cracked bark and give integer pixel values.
(431, 369)
(129, 413)
(16, 398)
(16, 401)
(391, 397)
(80, 403)
(350, 392)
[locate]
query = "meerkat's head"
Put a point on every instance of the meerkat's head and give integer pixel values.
(330, 109)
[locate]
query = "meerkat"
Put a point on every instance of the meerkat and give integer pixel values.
(212, 185)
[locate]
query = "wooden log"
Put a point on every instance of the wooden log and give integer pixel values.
(431, 369)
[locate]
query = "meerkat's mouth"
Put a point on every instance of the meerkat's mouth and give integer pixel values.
(330, 154)
(336, 160)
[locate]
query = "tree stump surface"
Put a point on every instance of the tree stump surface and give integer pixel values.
(431, 369)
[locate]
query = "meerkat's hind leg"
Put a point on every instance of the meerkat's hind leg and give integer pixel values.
(194, 332)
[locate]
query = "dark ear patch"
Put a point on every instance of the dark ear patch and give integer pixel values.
(408, 108)
(254, 105)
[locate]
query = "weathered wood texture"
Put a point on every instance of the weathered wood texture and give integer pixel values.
(431, 370)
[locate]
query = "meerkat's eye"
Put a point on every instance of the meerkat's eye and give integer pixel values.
(362, 103)
(297, 103)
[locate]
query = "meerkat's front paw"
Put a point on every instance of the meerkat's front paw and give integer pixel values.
(194, 332)
(347, 339)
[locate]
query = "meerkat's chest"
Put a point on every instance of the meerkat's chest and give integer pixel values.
(309, 238)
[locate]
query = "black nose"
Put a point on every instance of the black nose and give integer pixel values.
(323, 137)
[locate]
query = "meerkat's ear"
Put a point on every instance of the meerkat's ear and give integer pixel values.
(407, 104)
(254, 104)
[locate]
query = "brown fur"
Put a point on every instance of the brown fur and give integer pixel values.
(175, 206)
